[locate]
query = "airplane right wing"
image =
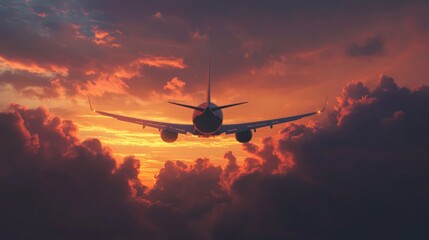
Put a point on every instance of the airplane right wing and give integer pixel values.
(173, 127)
(241, 127)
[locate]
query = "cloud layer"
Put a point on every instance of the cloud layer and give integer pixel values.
(155, 42)
(359, 173)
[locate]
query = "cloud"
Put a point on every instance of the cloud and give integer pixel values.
(198, 36)
(157, 15)
(175, 89)
(104, 38)
(360, 172)
(59, 187)
(49, 71)
(266, 158)
(231, 168)
(372, 46)
(175, 85)
(163, 62)
(189, 193)
(104, 83)
(86, 35)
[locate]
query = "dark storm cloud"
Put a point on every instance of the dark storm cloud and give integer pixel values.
(54, 186)
(269, 160)
(185, 197)
(197, 10)
(360, 173)
(231, 168)
(241, 35)
(22, 79)
(58, 35)
(370, 47)
(45, 40)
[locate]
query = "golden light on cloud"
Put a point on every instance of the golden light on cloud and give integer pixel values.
(48, 70)
(175, 89)
(128, 139)
(127, 72)
(114, 81)
(163, 62)
(175, 84)
(103, 38)
(105, 83)
(131, 59)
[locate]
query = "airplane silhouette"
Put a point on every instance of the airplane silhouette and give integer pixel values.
(207, 121)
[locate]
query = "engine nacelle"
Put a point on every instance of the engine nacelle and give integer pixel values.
(244, 137)
(169, 136)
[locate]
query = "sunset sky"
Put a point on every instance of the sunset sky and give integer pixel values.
(283, 57)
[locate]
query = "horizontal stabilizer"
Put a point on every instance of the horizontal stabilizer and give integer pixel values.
(188, 106)
(227, 106)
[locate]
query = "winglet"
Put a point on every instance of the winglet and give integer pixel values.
(324, 106)
(90, 105)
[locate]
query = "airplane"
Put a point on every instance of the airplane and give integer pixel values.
(207, 120)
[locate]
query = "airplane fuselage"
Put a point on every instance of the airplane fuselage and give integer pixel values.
(207, 122)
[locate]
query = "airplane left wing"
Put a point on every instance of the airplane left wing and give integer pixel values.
(178, 128)
(241, 127)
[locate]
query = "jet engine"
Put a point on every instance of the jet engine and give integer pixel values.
(169, 136)
(244, 136)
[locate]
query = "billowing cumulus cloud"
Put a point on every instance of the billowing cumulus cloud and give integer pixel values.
(55, 186)
(359, 173)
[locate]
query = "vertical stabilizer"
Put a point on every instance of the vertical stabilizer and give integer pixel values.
(208, 86)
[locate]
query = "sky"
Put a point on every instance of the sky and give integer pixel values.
(358, 171)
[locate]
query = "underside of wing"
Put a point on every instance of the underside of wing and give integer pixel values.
(171, 127)
(243, 127)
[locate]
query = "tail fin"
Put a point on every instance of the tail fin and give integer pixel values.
(208, 86)
(208, 99)
(208, 96)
